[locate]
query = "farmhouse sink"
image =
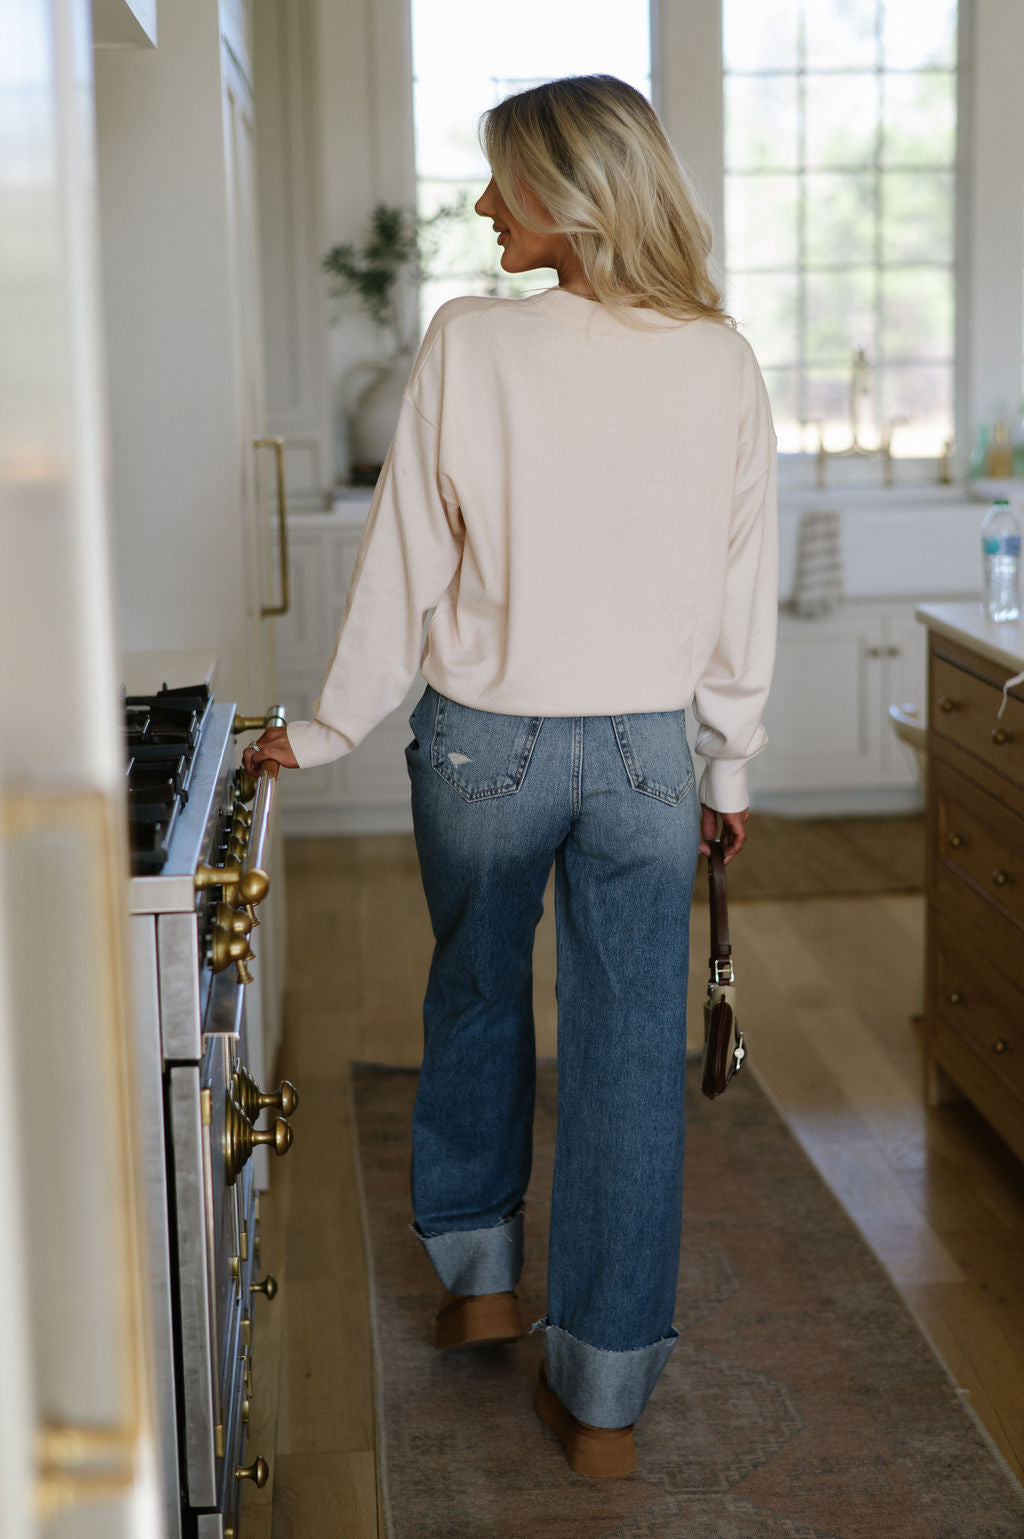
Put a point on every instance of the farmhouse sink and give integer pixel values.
(896, 541)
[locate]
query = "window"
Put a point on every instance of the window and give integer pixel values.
(840, 152)
(470, 54)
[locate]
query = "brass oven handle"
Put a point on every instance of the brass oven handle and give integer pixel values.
(277, 444)
(268, 1287)
(254, 881)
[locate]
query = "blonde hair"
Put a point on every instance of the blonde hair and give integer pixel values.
(592, 151)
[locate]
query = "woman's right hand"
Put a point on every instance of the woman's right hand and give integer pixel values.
(273, 745)
(733, 834)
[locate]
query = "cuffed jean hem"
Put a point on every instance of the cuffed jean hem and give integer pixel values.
(474, 1261)
(602, 1388)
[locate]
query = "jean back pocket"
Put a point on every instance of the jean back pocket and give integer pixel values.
(482, 753)
(656, 754)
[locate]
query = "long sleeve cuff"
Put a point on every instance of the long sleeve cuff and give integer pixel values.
(313, 743)
(723, 785)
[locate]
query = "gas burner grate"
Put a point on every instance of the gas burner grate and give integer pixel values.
(162, 736)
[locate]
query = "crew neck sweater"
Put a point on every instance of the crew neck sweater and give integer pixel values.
(588, 508)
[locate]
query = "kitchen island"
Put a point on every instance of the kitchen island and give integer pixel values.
(973, 1027)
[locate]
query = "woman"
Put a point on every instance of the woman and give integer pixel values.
(581, 487)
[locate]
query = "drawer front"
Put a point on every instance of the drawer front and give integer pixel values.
(981, 1005)
(980, 842)
(963, 709)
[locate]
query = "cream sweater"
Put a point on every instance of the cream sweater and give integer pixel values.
(589, 511)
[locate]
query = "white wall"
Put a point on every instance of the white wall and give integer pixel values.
(363, 52)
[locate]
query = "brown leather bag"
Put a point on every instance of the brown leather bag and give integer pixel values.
(724, 1049)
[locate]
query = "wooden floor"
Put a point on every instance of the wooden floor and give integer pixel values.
(829, 987)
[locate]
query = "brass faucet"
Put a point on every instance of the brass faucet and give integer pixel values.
(860, 370)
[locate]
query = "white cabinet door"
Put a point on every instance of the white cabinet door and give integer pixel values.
(906, 677)
(824, 712)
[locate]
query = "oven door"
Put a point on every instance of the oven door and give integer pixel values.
(206, 1214)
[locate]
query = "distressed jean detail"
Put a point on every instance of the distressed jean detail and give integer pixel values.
(604, 1389)
(473, 1261)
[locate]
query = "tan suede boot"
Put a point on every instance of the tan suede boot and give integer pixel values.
(603, 1453)
(468, 1319)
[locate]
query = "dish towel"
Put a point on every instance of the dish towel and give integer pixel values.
(818, 585)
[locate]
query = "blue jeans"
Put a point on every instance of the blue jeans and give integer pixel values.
(612, 800)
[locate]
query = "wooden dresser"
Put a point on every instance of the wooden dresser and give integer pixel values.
(973, 1033)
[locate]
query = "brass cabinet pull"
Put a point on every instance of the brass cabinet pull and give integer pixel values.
(946, 704)
(1001, 1046)
(1000, 736)
(277, 444)
(955, 841)
(268, 1287)
(258, 1472)
(954, 998)
(1001, 878)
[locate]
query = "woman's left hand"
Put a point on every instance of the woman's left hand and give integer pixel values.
(273, 746)
(733, 835)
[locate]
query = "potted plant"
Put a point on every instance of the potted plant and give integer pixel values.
(400, 244)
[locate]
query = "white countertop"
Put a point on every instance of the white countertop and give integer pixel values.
(968, 623)
(144, 673)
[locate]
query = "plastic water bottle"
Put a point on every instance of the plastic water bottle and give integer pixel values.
(1000, 545)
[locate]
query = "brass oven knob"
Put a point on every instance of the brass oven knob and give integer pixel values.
(234, 919)
(252, 1099)
(240, 813)
(946, 704)
(268, 1287)
(250, 909)
(246, 784)
(241, 1138)
(227, 947)
(258, 1471)
(225, 877)
(236, 847)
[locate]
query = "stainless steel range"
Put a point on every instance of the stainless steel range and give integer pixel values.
(199, 854)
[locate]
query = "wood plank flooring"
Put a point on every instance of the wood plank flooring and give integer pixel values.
(829, 987)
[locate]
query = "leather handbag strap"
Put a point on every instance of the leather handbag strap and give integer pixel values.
(721, 951)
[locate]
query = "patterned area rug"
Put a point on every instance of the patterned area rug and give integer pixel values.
(801, 1401)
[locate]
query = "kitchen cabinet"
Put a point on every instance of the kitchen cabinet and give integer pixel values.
(827, 717)
(973, 1029)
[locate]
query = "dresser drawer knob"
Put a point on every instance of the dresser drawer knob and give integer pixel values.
(1001, 736)
(955, 841)
(1001, 1046)
(258, 1472)
(1001, 878)
(955, 998)
(946, 704)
